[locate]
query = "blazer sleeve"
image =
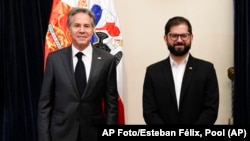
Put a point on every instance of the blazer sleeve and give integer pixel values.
(111, 95)
(211, 102)
(150, 110)
(45, 102)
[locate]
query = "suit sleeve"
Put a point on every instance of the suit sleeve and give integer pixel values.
(150, 110)
(211, 103)
(45, 103)
(111, 95)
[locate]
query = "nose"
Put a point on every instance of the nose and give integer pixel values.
(81, 29)
(179, 38)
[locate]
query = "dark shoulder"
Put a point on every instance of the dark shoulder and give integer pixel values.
(200, 61)
(160, 63)
(102, 52)
(60, 51)
(200, 64)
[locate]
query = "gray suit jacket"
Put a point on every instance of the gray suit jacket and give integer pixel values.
(61, 110)
(199, 99)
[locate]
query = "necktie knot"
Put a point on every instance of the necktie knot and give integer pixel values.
(79, 55)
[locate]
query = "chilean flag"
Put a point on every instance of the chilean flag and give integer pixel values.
(108, 35)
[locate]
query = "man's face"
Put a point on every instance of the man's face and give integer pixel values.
(178, 40)
(81, 30)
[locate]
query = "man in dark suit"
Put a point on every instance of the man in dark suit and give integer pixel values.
(180, 89)
(65, 113)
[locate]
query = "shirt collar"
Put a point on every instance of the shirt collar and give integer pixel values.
(87, 51)
(172, 62)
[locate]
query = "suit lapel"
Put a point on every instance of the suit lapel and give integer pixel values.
(68, 66)
(187, 77)
(94, 69)
(167, 71)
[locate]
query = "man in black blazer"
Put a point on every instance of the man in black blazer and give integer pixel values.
(65, 114)
(180, 89)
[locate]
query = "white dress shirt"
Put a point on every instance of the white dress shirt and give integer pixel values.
(178, 72)
(87, 58)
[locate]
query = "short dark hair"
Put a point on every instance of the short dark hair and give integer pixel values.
(76, 10)
(177, 20)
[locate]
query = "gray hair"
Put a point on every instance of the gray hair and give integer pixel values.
(80, 10)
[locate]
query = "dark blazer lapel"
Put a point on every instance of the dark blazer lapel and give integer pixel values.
(187, 77)
(68, 66)
(94, 70)
(169, 78)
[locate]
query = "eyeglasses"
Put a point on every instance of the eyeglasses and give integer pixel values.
(184, 36)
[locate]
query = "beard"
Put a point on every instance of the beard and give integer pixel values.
(177, 51)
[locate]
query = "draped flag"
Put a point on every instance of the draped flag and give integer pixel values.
(108, 35)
